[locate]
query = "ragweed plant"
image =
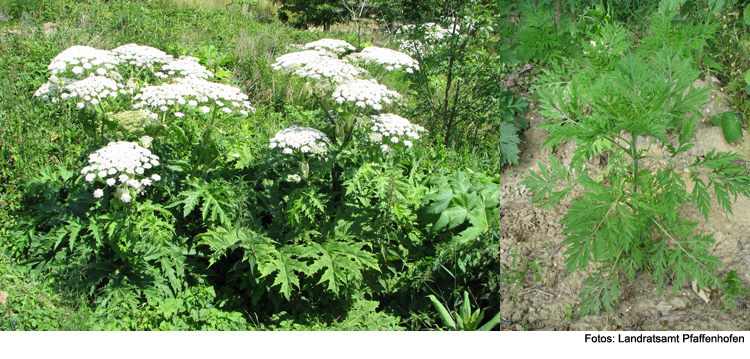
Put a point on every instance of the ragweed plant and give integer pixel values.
(625, 220)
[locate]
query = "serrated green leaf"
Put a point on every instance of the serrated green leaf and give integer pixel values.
(341, 260)
(284, 263)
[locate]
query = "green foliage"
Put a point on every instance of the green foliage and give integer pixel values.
(624, 221)
(459, 85)
(688, 38)
(731, 125)
(225, 238)
(547, 34)
(215, 196)
(733, 289)
(313, 13)
(464, 319)
(459, 202)
(29, 302)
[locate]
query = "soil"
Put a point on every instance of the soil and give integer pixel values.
(535, 234)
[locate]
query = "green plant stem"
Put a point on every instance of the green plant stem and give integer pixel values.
(214, 161)
(323, 106)
(678, 244)
(634, 155)
(204, 143)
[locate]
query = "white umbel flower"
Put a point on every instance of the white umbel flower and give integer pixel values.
(49, 91)
(188, 93)
(124, 161)
(93, 89)
(141, 56)
(394, 129)
(390, 59)
(76, 57)
(334, 45)
(98, 193)
(292, 138)
(365, 94)
(186, 66)
(317, 65)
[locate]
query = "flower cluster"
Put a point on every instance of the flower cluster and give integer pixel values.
(317, 65)
(336, 46)
(141, 56)
(92, 89)
(430, 35)
(125, 163)
(193, 92)
(387, 128)
(391, 59)
(49, 91)
(184, 66)
(306, 139)
(364, 94)
(82, 60)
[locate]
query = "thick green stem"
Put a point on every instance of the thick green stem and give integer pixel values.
(328, 114)
(204, 143)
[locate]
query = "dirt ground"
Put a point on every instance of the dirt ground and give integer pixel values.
(535, 234)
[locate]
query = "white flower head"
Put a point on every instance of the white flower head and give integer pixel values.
(334, 45)
(317, 65)
(294, 178)
(192, 91)
(365, 94)
(82, 60)
(123, 161)
(141, 56)
(187, 66)
(391, 59)
(293, 138)
(98, 193)
(395, 129)
(92, 89)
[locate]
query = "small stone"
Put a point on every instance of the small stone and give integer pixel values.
(658, 314)
(747, 258)
(679, 303)
(663, 307)
(3, 298)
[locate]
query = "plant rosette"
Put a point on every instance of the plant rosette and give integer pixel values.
(124, 167)
(393, 131)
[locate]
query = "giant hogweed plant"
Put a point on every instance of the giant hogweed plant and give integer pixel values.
(335, 191)
(624, 220)
(113, 218)
(327, 210)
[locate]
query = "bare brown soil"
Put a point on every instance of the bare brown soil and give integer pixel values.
(533, 234)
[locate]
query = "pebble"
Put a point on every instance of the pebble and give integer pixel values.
(663, 307)
(679, 303)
